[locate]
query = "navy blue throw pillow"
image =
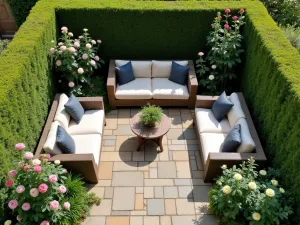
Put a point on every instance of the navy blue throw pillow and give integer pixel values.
(64, 141)
(179, 73)
(74, 108)
(125, 74)
(232, 140)
(221, 107)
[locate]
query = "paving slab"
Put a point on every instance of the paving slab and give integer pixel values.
(201, 193)
(136, 220)
(184, 220)
(128, 179)
(155, 207)
(185, 207)
(170, 192)
(123, 198)
(117, 220)
(166, 170)
(151, 220)
(104, 209)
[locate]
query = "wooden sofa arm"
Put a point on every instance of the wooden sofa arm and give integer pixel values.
(83, 164)
(192, 80)
(111, 84)
(204, 101)
(91, 103)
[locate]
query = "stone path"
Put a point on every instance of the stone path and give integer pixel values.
(146, 187)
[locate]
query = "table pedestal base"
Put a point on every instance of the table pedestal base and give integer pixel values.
(158, 141)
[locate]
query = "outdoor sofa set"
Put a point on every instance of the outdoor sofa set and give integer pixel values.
(151, 85)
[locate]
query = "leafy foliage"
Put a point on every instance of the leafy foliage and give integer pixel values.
(151, 114)
(293, 35)
(243, 196)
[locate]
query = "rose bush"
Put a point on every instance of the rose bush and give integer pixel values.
(224, 54)
(243, 196)
(76, 59)
(38, 194)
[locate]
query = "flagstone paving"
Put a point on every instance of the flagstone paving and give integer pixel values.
(149, 187)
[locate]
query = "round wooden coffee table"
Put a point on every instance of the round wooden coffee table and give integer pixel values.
(145, 133)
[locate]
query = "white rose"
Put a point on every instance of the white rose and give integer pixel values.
(80, 70)
(92, 62)
(76, 44)
(263, 172)
(85, 29)
(97, 58)
(226, 189)
(252, 185)
(72, 49)
(214, 67)
(60, 43)
(256, 216)
(274, 182)
(57, 162)
(63, 48)
(52, 50)
(36, 162)
(201, 54)
(84, 56)
(99, 41)
(64, 29)
(93, 42)
(58, 63)
(211, 77)
(70, 34)
(224, 167)
(270, 192)
(88, 45)
(237, 176)
(281, 190)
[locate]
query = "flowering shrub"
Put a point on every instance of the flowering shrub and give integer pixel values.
(76, 59)
(244, 196)
(224, 54)
(37, 192)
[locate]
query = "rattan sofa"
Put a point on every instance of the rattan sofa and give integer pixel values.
(112, 87)
(213, 161)
(82, 163)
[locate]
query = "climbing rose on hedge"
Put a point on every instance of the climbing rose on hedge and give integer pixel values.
(20, 146)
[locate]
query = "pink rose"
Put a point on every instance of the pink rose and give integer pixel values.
(45, 223)
(92, 62)
(65, 171)
(52, 50)
(76, 44)
(63, 48)
(20, 146)
(64, 29)
(67, 205)
(72, 49)
(85, 56)
(235, 17)
(62, 189)
(43, 188)
(37, 169)
(71, 84)
(70, 34)
(58, 63)
(52, 178)
(54, 205)
(80, 71)
(219, 17)
(227, 27)
(201, 54)
(99, 41)
(93, 42)
(12, 173)
(9, 183)
(97, 58)
(48, 156)
(34, 192)
(26, 167)
(242, 11)
(12, 204)
(19, 218)
(26, 206)
(20, 189)
(28, 155)
(227, 11)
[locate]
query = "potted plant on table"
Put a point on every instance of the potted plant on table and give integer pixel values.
(150, 115)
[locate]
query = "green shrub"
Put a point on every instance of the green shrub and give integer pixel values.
(293, 35)
(151, 114)
(3, 45)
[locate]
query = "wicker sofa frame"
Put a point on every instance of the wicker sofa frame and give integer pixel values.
(212, 167)
(83, 164)
(192, 84)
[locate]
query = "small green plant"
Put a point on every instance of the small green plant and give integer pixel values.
(243, 196)
(293, 35)
(151, 114)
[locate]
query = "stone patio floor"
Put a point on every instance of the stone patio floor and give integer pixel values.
(147, 187)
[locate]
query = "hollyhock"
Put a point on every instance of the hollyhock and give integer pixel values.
(227, 27)
(62, 189)
(80, 70)
(52, 178)
(12, 173)
(26, 206)
(71, 84)
(34, 192)
(20, 189)
(9, 183)
(28, 155)
(26, 167)
(54, 205)
(45, 223)
(235, 17)
(12, 204)
(97, 58)
(20, 146)
(36, 162)
(67, 205)
(58, 63)
(227, 11)
(43, 188)
(37, 169)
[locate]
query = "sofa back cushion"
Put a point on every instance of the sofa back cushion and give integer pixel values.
(221, 107)
(75, 109)
(247, 144)
(50, 145)
(124, 74)
(162, 69)
(141, 69)
(64, 141)
(61, 115)
(232, 140)
(236, 112)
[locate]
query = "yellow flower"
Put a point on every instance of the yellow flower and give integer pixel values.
(256, 216)
(274, 182)
(224, 167)
(252, 185)
(226, 189)
(7, 222)
(281, 190)
(263, 172)
(237, 176)
(270, 192)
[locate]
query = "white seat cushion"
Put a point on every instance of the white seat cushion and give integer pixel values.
(140, 88)
(141, 69)
(163, 88)
(207, 123)
(162, 69)
(50, 145)
(236, 112)
(88, 143)
(247, 144)
(211, 143)
(61, 114)
(91, 123)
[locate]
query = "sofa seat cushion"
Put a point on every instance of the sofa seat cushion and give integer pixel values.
(88, 143)
(207, 123)
(162, 69)
(163, 88)
(140, 88)
(141, 69)
(91, 123)
(211, 142)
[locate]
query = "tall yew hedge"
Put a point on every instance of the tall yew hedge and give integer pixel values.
(270, 77)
